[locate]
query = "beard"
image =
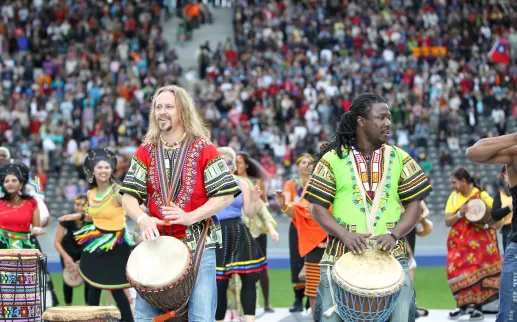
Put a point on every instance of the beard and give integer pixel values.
(166, 126)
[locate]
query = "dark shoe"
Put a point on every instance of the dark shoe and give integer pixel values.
(421, 313)
(269, 309)
(454, 315)
(297, 306)
(476, 315)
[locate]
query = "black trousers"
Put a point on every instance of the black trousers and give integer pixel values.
(296, 262)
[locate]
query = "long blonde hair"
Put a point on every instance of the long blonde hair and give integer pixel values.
(189, 118)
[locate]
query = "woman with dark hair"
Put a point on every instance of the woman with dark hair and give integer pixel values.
(503, 208)
(107, 242)
(262, 223)
(18, 210)
(473, 259)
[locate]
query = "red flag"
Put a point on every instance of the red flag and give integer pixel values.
(499, 53)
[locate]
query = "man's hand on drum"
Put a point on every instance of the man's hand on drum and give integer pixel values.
(174, 215)
(386, 241)
(149, 229)
(357, 243)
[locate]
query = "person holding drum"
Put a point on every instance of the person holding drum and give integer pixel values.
(188, 183)
(68, 248)
(503, 150)
(293, 191)
(106, 242)
(473, 259)
(364, 182)
(240, 253)
(19, 214)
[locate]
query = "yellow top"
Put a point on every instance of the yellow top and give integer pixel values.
(105, 214)
(456, 200)
(505, 202)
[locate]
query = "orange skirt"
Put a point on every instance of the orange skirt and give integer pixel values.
(312, 278)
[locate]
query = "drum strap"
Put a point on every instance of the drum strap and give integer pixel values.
(332, 309)
(198, 255)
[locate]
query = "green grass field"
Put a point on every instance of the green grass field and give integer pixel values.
(430, 282)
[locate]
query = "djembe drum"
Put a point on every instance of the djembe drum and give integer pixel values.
(82, 314)
(22, 284)
(366, 287)
(477, 212)
(161, 271)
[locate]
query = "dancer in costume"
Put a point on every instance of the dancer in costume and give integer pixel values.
(366, 181)
(19, 214)
(107, 242)
(68, 248)
(177, 155)
(473, 259)
(293, 192)
(240, 253)
(262, 223)
(311, 240)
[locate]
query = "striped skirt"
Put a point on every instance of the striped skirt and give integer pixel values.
(240, 253)
(312, 271)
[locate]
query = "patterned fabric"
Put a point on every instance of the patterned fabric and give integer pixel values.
(106, 214)
(20, 289)
(240, 253)
(93, 240)
(473, 259)
(13, 240)
(204, 175)
(16, 168)
(366, 193)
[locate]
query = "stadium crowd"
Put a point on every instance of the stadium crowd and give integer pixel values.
(79, 74)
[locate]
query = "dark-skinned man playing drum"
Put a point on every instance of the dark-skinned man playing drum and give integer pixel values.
(354, 168)
(503, 150)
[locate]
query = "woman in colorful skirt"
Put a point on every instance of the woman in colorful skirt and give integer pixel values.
(240, 253)
(262, 223)
(19, 214)
(106, 243)
(293, 192)
(473, 260)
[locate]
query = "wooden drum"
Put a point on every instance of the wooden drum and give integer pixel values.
(161, 272)
(82, 314)
(477, 212)
(366, 287)
(22, 284)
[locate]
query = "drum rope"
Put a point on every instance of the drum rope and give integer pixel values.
(333, 308)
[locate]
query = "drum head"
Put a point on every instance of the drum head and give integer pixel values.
(372, 270)
(72, 277)
(159, 262)
(80, 313)
(477, 210)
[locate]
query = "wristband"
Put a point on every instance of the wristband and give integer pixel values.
(140, 218)
(392, 235)
(285, 209)
(458, 214)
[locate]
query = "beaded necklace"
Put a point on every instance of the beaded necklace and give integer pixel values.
(97, 202)
(170, 146)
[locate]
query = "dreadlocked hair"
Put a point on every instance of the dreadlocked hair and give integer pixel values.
(345, 134)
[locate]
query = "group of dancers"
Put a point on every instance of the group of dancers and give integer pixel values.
(358, 191)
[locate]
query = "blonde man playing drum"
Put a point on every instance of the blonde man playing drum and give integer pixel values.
(178, 155)
(352, 171)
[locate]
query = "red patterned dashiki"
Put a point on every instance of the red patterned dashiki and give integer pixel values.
(473, 259)
(204, 175)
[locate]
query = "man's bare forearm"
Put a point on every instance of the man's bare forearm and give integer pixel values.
(131, 207)
(326, 221)
(484, 149)
(212, 207)
(408, 220)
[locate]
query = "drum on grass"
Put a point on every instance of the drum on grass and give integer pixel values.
(477, 212)
(82, 314)
(161, 272)
(71, 277)
(366, 287)
(22, 284)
